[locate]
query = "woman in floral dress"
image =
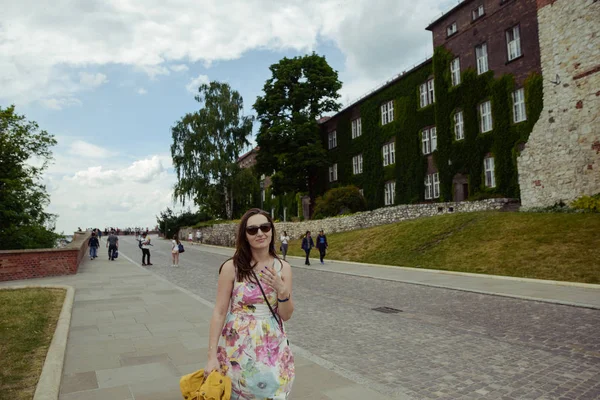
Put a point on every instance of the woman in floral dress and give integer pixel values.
(246, 342)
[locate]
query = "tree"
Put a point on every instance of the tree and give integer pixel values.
(23, 222)
(206, 145)
(300, 90)
(170, 223)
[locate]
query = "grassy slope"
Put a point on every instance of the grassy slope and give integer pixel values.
(544, 246)
(28, 319)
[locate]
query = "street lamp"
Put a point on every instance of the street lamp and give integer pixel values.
(262, 193)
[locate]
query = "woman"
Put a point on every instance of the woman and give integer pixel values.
(145, 249)
(248, 342)
(322, 245)
(175, 251)
(284, 243)
(307, 245)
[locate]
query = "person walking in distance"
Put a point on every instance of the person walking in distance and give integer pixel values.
(247, 340)
(322, 245)
(112, 242)
(145, 249)
(307, 245)
(284, 243)
(93, 243)
(175, 251)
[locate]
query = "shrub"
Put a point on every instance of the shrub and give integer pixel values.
(337, 201)
(588, 203)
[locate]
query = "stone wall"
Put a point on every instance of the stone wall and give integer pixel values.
(40, 263)
(561, 160)
(224, 234)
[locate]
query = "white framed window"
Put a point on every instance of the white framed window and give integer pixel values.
(459, 126)
(478, 12)
(436, 185)
(451, 30)
(429, 139)
(389, 153)
(389, 192)
(357, 164)
(428, 187)
(427, 93)
(333, 173)
(482, 58)
(518, 97)
(490, 172)
(455, 71)
(485, 116)
(356, 128)
(513, 43)
(332, 140)
(387, 112)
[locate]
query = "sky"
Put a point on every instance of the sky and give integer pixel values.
(109, 78)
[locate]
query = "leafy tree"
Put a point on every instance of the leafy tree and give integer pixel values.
(23, 222)
(341, 200)
(300, 90)
(206, 145)
(170, 223)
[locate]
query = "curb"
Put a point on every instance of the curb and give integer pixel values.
(48, 386)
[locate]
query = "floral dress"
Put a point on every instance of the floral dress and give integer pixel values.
(253, 350)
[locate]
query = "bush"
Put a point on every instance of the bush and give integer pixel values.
(338, 201)
(587, 203)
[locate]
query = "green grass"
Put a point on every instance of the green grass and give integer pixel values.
(560, 247)
(28, 319)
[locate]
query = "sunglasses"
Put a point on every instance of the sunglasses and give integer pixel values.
(253, 230)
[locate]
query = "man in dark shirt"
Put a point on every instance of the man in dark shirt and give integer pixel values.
(112, 242)
(322, 245)
(93, 243)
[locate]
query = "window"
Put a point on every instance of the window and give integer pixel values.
(459, 126)
(490, 179)
(451, 30)
(429, 140)
(332, 140)
(482, 58)
(513, 43)
(519, 114)
(478, 12)
(485, 116)
(436, 185)
(428, 188)
(387, 113)
(389, 154)
(427, 93)
(356, 128)
(389, 192)
(357, 164)
(333, 173)
(455, 71)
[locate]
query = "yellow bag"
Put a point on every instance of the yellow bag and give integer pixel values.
(215, 387)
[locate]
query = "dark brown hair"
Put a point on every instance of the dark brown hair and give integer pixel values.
(242, 259)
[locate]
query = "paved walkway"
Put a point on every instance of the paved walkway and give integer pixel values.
(133, 335)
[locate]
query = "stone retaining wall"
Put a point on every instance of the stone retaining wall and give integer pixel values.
(39, 263)
(224, 234)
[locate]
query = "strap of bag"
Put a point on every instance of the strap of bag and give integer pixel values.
(269, 304)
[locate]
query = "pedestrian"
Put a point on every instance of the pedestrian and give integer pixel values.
(307, 245)
(93, 243)
(175, 251)
(322, 245)
(199, 236)
(112, 242)
(145, 249)
(284, 243)
(248, 342)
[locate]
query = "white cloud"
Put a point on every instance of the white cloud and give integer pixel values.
(142, 91)
(195, 83)
(92, 80)
(41, 49)
(179, 67)
(141, 171)
(59, 104)
(88, 150)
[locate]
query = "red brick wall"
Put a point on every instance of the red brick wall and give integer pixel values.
(40, 263)
(491, 28)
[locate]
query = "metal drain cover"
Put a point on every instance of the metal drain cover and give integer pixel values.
(387, 310)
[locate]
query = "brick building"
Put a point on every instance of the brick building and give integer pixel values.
(449, 128)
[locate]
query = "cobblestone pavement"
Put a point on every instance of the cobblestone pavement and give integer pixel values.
(445, 344)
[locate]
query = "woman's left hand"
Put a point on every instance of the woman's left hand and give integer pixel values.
(273, 279)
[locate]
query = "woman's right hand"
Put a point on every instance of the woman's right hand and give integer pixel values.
(211, 365)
